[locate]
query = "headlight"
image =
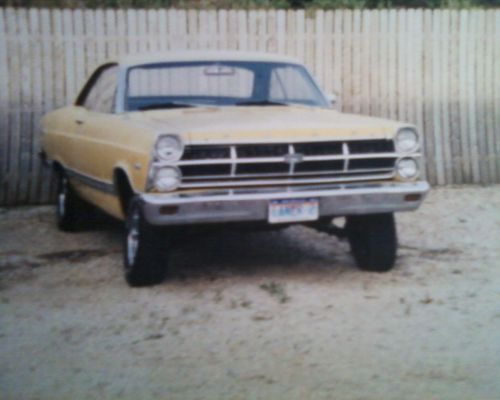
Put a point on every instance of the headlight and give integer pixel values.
(169, 148)
(407, 168)
(167, 179)
(406, 140)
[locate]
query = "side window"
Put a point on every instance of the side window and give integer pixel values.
(102, 94)
(287, 84)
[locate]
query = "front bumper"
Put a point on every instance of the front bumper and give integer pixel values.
(239, 205)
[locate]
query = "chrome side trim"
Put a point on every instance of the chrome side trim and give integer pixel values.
(90, 181)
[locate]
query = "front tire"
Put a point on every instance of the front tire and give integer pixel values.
(145, 255)
(373, 241)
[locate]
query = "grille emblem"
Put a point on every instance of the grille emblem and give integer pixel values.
(294, 158)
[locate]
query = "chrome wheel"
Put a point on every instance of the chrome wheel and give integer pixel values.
(62, 197)
(133, 237)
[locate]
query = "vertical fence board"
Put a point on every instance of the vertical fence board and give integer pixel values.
(281, 31)
(319, 46)
(489, 91)
(356, 62)
(436, 96)
(370, 65)
(25, 133)
(480, 109)
(471, 95)
(242, 30)
(436, 69)
(429, 128)
(347, 59)
(47, 89)
(496, 84)
(464, 122)
(337, 56)
(383, 75)
(35, 103)
(327, 53)
(15, 107)
(4, 108)
(392, 70)
(418, 82)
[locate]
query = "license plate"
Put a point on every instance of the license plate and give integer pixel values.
(293, 210)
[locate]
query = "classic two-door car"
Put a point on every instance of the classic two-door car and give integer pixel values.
(207, 138)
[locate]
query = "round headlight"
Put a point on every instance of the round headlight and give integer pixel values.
(407, 168)
(167, 179)
(169, 148)
(406, 140)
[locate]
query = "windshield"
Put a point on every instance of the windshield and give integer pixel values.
(213, 83)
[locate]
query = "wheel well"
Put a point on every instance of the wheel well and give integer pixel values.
(123, 189)
(57, 167)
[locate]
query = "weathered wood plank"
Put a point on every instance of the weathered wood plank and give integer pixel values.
(14, 140)
(454, 82)
(479, 58)
(356, 62)
(4, 108)
(48, 97)
(69, 54)
(346, 60)
(471, 95)
(428, 128)
(436, 97)
(35, 103)
(319, 54)
(496, 91)
(337, 58)
(419, 71)
(492, 130)
(464, 120)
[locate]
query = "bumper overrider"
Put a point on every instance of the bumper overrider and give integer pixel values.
(252, 204)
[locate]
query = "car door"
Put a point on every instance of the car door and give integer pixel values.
(98, 103)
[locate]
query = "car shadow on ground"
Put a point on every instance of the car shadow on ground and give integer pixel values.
(230, 252)
(211, 254)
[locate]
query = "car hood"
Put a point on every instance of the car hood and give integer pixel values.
(252, 124)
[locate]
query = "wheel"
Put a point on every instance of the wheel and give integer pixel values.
(145, 254)
(373, 241)
(68, 204)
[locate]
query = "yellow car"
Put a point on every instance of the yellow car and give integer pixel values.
(205, 138)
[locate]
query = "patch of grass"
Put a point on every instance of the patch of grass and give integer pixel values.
(276, 290)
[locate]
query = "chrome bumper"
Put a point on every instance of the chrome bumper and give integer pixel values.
(219, 206)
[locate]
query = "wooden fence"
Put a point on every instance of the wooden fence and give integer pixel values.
(438, 69)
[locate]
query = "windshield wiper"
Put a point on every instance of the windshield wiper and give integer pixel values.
(168, 104)
(260, 103)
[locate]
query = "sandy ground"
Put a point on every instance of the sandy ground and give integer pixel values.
(281, 315)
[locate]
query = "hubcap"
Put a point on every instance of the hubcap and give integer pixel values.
(61, 198)
(133, 237)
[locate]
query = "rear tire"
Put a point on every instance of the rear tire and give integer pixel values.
(145, 254)
(68, 206)
(373, 241)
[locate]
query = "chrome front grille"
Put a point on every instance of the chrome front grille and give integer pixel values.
(286, 163)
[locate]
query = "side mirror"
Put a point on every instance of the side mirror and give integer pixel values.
(332, 98)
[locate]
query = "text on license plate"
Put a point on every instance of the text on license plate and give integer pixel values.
(292, 210)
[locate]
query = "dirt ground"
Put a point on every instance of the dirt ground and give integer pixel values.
(256, 315)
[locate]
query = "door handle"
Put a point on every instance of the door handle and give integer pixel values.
(79, 121)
